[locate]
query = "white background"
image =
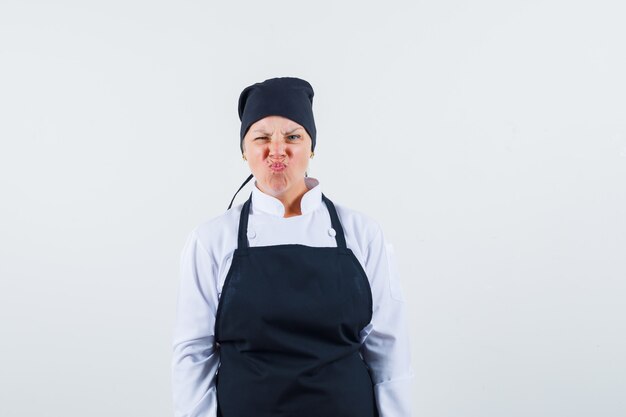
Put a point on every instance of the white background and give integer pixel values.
(487, 137)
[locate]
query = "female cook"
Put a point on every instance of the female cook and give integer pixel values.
(289, 304)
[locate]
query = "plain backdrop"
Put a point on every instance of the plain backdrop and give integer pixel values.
(488, 138)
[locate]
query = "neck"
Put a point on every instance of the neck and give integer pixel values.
(291, 199)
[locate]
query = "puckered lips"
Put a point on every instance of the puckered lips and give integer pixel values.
(277, 166)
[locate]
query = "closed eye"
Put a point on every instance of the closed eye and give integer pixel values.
(290, 136)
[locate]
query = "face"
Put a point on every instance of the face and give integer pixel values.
(278, 151)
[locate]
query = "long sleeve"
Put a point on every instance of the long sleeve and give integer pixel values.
(386, 348)
(195, 359)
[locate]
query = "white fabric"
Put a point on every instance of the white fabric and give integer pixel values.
(206, 258)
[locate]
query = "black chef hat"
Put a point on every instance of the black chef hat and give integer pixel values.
(289, 97)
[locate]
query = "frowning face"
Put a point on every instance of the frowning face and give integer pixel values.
(278, 151)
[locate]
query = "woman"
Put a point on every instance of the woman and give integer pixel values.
(295, 298)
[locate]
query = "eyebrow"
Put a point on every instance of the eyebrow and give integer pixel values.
(266, 133)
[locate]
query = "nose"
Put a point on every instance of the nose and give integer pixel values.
(277, 146)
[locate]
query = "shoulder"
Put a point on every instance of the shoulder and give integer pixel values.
(361, 225)
(216, 231)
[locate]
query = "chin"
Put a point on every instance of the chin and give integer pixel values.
(276, 185)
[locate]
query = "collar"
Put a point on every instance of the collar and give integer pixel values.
(311, 200)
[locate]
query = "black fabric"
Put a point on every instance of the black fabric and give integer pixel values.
(287, 329)
(289, 97)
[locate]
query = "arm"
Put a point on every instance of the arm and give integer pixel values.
(386, 348)
(195, 359)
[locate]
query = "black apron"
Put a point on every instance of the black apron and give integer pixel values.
(287, 327)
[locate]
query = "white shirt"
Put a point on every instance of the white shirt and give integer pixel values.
(204, 263)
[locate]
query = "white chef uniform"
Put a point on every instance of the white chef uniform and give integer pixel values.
(205, 261)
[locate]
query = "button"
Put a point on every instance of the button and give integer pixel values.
(251, 234)
(332, 232)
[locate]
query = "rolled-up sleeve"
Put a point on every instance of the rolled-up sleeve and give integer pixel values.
(386, 345)
(195, 359)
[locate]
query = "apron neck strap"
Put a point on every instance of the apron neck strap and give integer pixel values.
(244, 183)
(334, 219)
(243, 224)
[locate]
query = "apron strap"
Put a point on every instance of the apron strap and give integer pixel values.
(242, 242)
(334, 219)
(244, 183)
